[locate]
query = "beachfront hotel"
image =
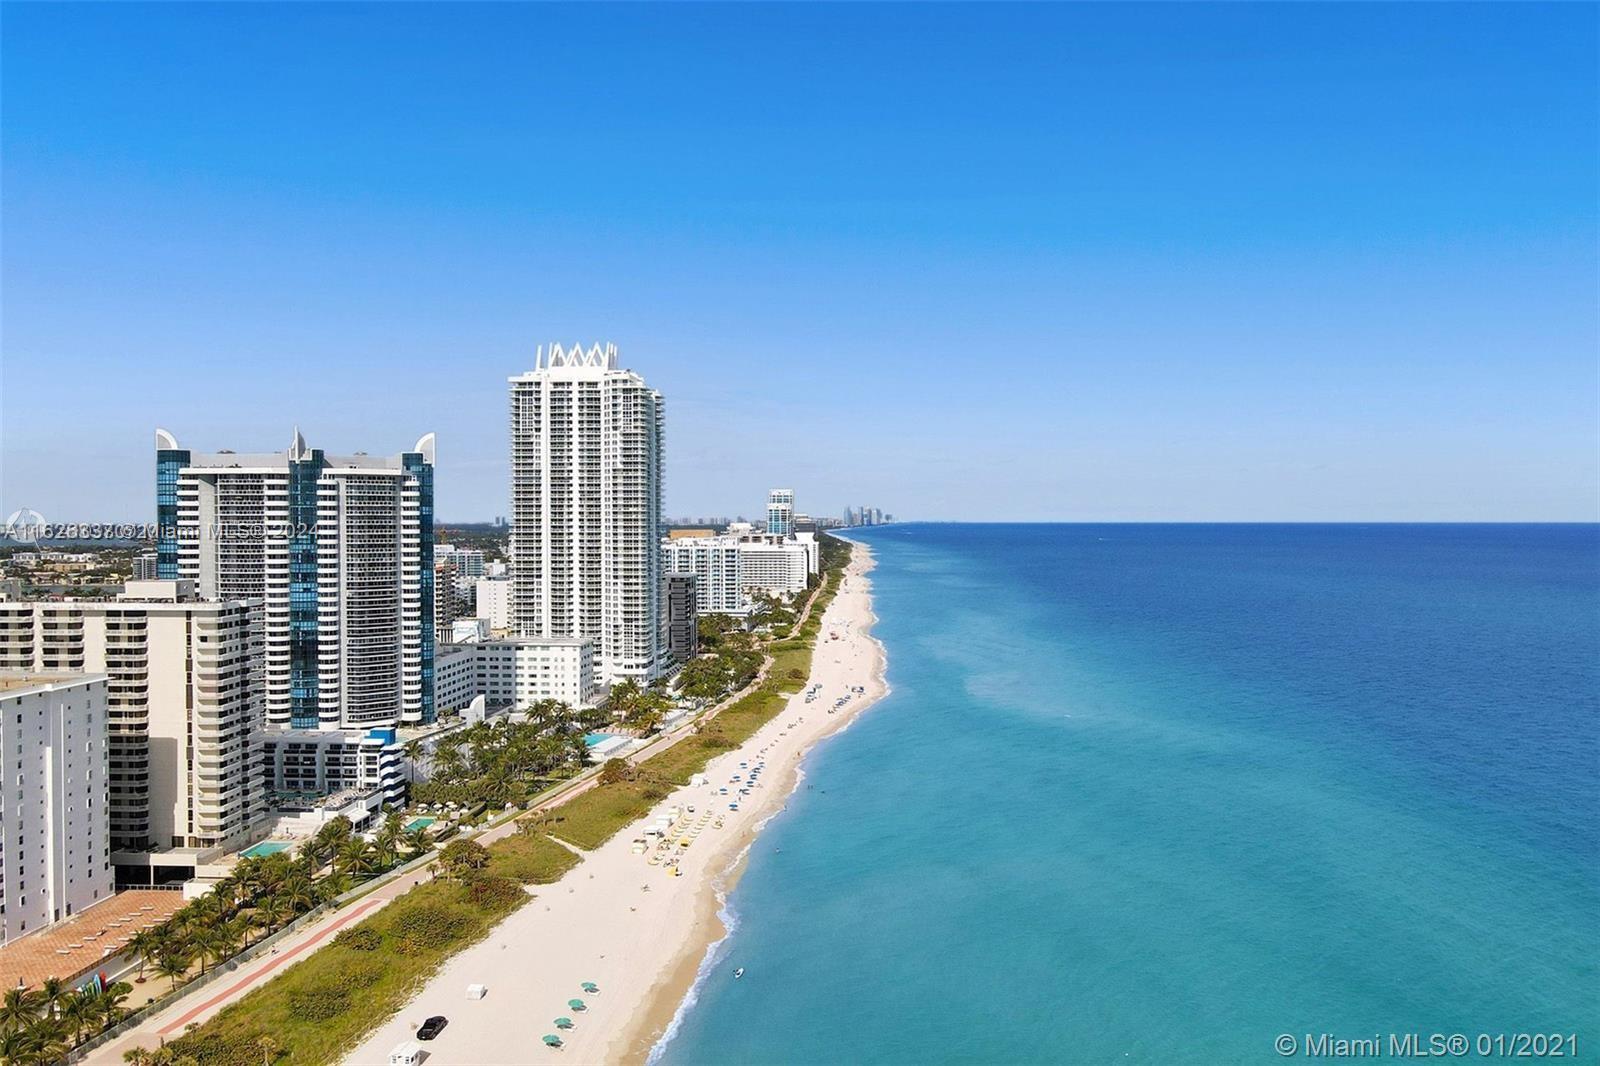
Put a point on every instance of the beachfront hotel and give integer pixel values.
(338, 550)
(55, 854)
(182, 704)
(586, 473)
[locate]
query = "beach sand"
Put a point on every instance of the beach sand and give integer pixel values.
(633, 928)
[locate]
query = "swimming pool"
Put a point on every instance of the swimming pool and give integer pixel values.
(265, 848)
(595, 739)
(419, 823)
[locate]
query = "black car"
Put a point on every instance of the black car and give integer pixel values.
(432, 1027)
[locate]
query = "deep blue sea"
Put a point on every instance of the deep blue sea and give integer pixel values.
(1159, 794)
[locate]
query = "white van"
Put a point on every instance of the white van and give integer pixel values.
(408, 1054)
(477, 991)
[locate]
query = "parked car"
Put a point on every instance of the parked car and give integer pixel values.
(432, 1027)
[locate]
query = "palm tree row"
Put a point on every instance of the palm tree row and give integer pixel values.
(264, 893)
(498, 762)
(39, 1026)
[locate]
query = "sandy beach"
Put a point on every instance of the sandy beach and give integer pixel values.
(625, 920)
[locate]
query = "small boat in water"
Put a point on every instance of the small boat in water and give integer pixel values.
(738, 973)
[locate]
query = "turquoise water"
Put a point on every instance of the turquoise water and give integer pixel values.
(266, 847)
(419, 823)
(1158, 794)
(591, 739)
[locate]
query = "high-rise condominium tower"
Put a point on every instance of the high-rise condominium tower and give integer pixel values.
(586, 457)
(339, 549)
(780, 512)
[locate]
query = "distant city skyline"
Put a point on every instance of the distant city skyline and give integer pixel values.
(1033, 262)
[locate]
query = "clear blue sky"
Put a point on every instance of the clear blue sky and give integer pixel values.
(982, 262)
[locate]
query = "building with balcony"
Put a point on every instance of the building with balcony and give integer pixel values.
(718, 569)
(338, 552)
(182, 705)
(586, 472)
(55, 832)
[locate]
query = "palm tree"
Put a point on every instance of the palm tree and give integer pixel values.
(173, 963)
(354, 858)
(271, 910)
(413, 750)
(16, 1046)
(138, 1056)
(48, 1039)
(145, 944)
(79, 1011)
(108, 1008)
(297, 892)
(20, 1009)
(386, 849)
(52, 989)
(215, 942)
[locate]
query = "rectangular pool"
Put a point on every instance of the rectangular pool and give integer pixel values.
(266, 847)
(419, 823)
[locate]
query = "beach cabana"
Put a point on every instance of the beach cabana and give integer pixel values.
(563, 1023)
(590, 987)
(576, 1004)
(552, 1040)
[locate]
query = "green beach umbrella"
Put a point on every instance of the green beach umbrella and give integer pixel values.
(590, 986)
(576, 1004)
(563, 1023)
(552, 1040)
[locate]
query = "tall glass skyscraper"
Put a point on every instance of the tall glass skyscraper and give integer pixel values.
(780, 512)
(586, 466)
(338, 553)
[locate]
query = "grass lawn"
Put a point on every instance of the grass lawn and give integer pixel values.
(320, 1007)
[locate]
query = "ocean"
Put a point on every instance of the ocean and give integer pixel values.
(1170, 793)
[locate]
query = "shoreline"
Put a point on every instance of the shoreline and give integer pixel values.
(622, 918)
(670, 998)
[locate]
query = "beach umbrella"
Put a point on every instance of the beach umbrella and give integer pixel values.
(590, 987)
(563, 1023)
(552, 1040)
(576, 1004)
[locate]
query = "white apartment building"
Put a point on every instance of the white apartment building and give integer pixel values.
(455, 677)
(182, 704)
(586, 471)
(311, 764)
(493, 598)
(780, 512)
(717, 566)
(339, 552)
(774, 566)
(520, 671)
(55, 832)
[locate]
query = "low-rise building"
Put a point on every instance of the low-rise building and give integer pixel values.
(520, 671)
(455, 678)
(300, 768)
(55, 830)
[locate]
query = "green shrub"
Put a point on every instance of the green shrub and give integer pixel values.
(427, 927)
(317, 1004)
(360, 938)
(492, 893)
